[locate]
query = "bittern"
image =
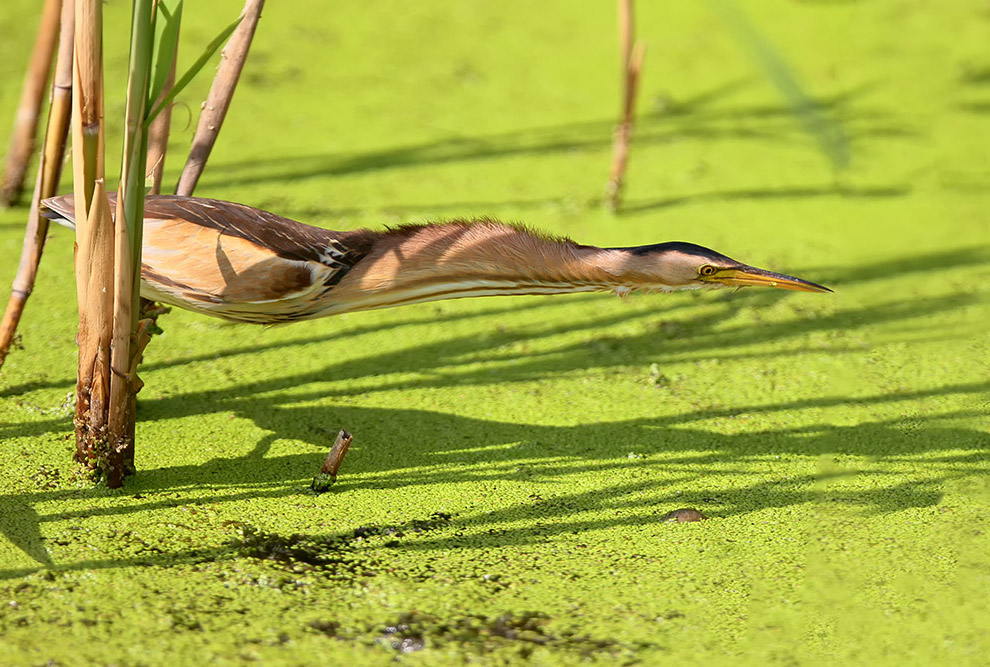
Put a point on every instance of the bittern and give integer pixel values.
(247, 265)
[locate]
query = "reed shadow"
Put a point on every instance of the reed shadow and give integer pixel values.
(444, 448)
(708, 115)
(441, 448)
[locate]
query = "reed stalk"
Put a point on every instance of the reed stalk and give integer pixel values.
(148, 312)
(111, 337)
(166, 44)
(94, 237)
(221, 93)
(632, 56)
(46, 182)
(29, 107)
(128, 226)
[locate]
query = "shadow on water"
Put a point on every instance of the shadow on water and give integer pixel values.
(13, 224)
(975, 81)
(708, 115)
(630, 206)
(444, 448)
(498, 451)
(633, 206)
(439, 448)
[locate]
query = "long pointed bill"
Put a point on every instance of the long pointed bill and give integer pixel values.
(750, 275)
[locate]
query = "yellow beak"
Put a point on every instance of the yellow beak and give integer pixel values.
(743, 276)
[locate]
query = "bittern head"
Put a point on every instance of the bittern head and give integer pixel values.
(678, 265)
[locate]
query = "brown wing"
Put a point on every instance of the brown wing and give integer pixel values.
(235, 261)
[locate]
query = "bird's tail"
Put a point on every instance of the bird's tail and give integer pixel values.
(61, 210)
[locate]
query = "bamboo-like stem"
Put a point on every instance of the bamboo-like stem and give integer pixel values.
(128, 225)
(94, 235)
(87, 107)
(29, 107)
(218, 101)
(148, 313)
(46, 183)
(632, 64)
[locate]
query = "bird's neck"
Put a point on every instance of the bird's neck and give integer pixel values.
(456, 260)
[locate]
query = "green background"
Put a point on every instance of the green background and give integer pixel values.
(513, 456)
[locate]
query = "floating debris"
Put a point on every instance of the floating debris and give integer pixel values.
(683, 514)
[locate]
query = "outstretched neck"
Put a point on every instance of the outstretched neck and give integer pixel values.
(486, 258)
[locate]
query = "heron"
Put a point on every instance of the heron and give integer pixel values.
(244, 264)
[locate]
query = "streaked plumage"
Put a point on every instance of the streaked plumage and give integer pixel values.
(247, 265)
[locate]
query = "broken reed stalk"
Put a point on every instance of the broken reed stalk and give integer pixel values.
(328, 471)
(94, 236)
(221, 93)
(128, 226)
(632, 64)
(46, 183)
(29, 108)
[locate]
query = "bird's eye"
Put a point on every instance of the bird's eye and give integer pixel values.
(707, 270)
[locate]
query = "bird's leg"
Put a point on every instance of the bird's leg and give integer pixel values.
(151, 310)
(147, 327)
(141, 340)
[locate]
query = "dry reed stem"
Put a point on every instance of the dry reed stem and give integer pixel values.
(29, 108)
(95, 333)
(627, 28)
(46, 183)
(94, 235)
(217, 102)
(632, 56)
(87, 127)
(60, 113)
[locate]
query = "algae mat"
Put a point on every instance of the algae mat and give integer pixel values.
(513, 457)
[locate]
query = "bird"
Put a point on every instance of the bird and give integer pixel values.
(244, 264)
